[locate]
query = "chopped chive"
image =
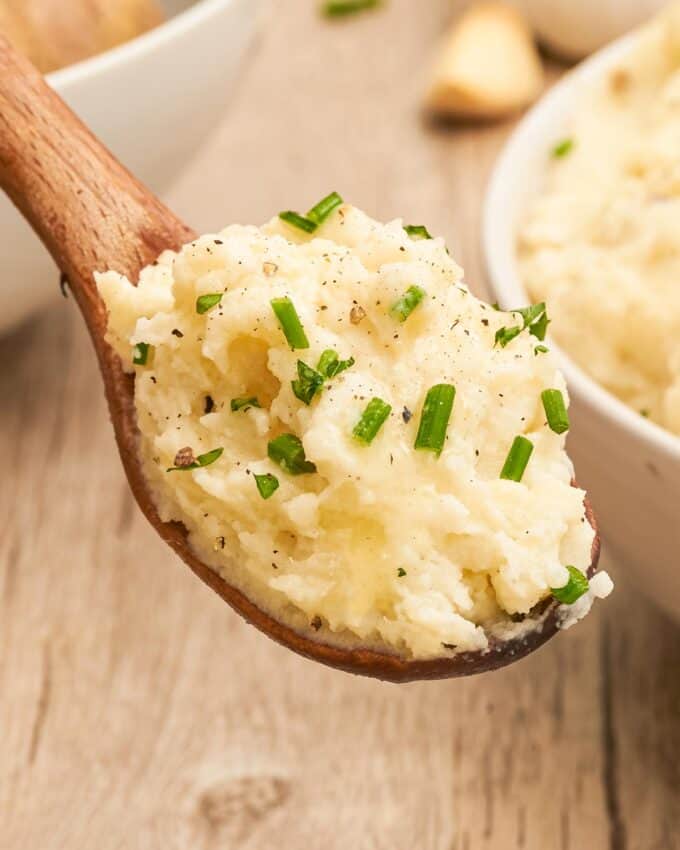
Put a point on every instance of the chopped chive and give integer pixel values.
(555, 411)
(401, 572)
(320, 212)
(267, 484)
(417, 231)
(140, 353)
(207, 302)
(517, 459)
(244, 403)
(573, 589)
(285, 312)
(644, 412)
(297, 220)
(540, 326)
(534, 317)
(330, 365)
(340, 8)
(408, 302)
(505, 335)
(531, 313)
(371, 421)
(287, 450)
(307, 384)
(562, 148)
(434, 419)
(202, 460)
(541, 349)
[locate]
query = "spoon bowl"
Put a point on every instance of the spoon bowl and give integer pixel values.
(93, 215)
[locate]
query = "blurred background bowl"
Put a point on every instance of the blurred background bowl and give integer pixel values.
(630, 465)
(152, 101)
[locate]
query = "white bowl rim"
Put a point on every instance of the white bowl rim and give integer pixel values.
(158, 36)
(507, 285)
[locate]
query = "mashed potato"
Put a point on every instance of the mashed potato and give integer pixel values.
(602, 244)
(373, 541)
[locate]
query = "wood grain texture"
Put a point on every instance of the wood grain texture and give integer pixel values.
(136, 711)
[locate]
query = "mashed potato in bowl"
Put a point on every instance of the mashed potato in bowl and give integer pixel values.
(349, 436)
(601, 245)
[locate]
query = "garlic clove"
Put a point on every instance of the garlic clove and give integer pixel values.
(488, 67)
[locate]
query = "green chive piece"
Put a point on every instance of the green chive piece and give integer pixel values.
(555, 411)
(330, 365)
(540, 326)
(573, 589)
(517, 459)
(340, 8)
(531, 313)
(541, 349)
(320, 212)
(202, 460)
(308, 382)
(417, 231)
(207, 302)
(408, 302)
(644, 412)
(267, 484)
(141, 352)
(288, 451)
(534, 317)
(244, 403)
(434, 419)
(371, 421)
(401, 572)
(505, 335)
(299, 221)
(563, 148)
(285, 312)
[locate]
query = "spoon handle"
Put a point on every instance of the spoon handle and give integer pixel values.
(88, 210)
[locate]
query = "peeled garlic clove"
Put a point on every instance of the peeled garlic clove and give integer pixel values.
(53, 35)
(488, 67)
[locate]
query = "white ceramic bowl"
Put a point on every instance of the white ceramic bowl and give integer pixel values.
(152, 101)
(630, 465)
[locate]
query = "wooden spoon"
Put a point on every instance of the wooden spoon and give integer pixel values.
(94, 215)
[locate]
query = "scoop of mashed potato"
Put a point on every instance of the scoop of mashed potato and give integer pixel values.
(602, 244)
(372, 541)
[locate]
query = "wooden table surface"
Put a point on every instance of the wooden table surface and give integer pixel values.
(137, 711)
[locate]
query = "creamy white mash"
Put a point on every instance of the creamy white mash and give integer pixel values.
(602, 244)
(381, 544)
